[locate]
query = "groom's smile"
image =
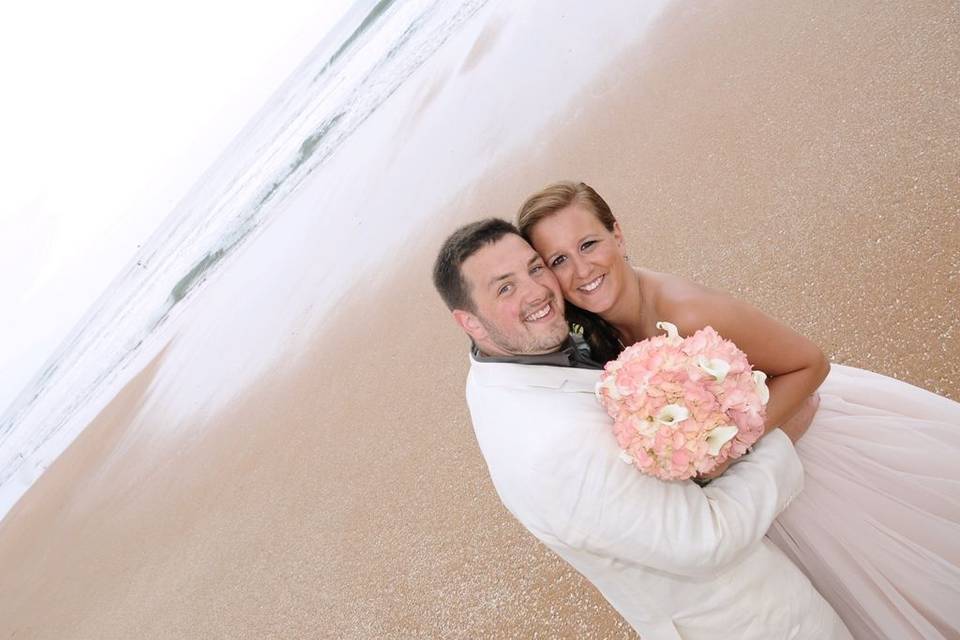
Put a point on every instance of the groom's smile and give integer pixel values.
(540, 314)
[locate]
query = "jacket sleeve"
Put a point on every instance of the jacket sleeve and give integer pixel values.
(679, 527)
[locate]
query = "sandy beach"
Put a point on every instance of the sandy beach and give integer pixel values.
(284, 469)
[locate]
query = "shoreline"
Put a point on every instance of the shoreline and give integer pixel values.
(340, 492)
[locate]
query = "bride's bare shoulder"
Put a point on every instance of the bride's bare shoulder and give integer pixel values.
(669, 289)
(676, 299)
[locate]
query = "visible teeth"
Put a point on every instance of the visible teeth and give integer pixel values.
(542, 313)
(590, 286)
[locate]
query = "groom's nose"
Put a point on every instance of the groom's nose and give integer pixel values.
(534, 291)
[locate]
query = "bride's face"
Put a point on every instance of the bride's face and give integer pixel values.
(587, 259)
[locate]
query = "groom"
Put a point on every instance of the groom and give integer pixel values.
(676, 560)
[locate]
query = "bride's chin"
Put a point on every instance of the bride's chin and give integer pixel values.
(586, 303)
(591, 306)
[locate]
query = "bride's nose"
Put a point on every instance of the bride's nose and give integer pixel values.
(580, 267)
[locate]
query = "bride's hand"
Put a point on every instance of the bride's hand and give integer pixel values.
(794, 427)
(797, 424)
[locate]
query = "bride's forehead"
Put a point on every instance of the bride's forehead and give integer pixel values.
(565, 225)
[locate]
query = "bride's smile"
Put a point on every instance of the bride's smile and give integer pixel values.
(592, 286)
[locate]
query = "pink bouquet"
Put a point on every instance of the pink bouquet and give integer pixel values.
(683, 406)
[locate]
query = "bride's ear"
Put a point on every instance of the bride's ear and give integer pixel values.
(470, 324)
(618, 236)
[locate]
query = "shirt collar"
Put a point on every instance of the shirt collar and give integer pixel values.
(574, 352)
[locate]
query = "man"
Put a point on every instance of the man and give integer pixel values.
(676, 560)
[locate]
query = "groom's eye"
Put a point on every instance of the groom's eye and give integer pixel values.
(537, 268)
(504, 289)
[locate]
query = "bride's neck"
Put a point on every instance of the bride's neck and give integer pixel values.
(626, 315)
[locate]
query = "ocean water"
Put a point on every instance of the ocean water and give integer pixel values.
(375, 99)
(364, 60)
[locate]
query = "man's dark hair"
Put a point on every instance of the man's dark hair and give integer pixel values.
(463, 243)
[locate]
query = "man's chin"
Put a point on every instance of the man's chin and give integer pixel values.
(549, 343)
(545, 339)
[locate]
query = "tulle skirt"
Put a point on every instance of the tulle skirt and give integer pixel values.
(877, 526)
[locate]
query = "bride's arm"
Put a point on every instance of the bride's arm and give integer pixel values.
(796, 366)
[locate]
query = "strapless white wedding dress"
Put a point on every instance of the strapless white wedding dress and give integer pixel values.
(877, 526)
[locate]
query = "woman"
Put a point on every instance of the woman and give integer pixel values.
(877, 527)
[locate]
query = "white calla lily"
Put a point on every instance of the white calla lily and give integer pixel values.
(673, 334)
(596, 389)
(610, 384)
(646, 427)
(672, 414)
(714, 366)
(760, 379)
(719, 436)
(625, 457)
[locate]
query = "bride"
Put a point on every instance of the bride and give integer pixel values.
(877, 527)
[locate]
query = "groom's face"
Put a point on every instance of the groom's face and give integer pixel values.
(518, 304)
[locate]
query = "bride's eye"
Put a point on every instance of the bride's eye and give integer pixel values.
(586, 245)
(556, 262)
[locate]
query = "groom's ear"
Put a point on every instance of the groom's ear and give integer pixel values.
(470, 324)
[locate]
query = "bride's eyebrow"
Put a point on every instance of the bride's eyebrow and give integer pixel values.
(553, 255)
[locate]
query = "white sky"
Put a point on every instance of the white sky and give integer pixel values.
(110, 111)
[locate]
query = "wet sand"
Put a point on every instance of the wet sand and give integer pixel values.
(805, 157)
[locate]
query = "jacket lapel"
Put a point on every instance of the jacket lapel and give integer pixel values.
(505, 374)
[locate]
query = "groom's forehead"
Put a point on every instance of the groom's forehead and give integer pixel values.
(500, 257)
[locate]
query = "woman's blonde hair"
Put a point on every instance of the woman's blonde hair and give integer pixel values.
(560, 195)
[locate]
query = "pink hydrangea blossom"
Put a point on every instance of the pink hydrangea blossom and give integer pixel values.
(683, 406)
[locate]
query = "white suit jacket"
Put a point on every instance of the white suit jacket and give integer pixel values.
(676, 560)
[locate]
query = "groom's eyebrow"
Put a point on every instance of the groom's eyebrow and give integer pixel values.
(497, 279)
(506, 276)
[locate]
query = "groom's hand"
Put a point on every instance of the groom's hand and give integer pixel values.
(797, 424)
(794, 427)
(703, 478)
